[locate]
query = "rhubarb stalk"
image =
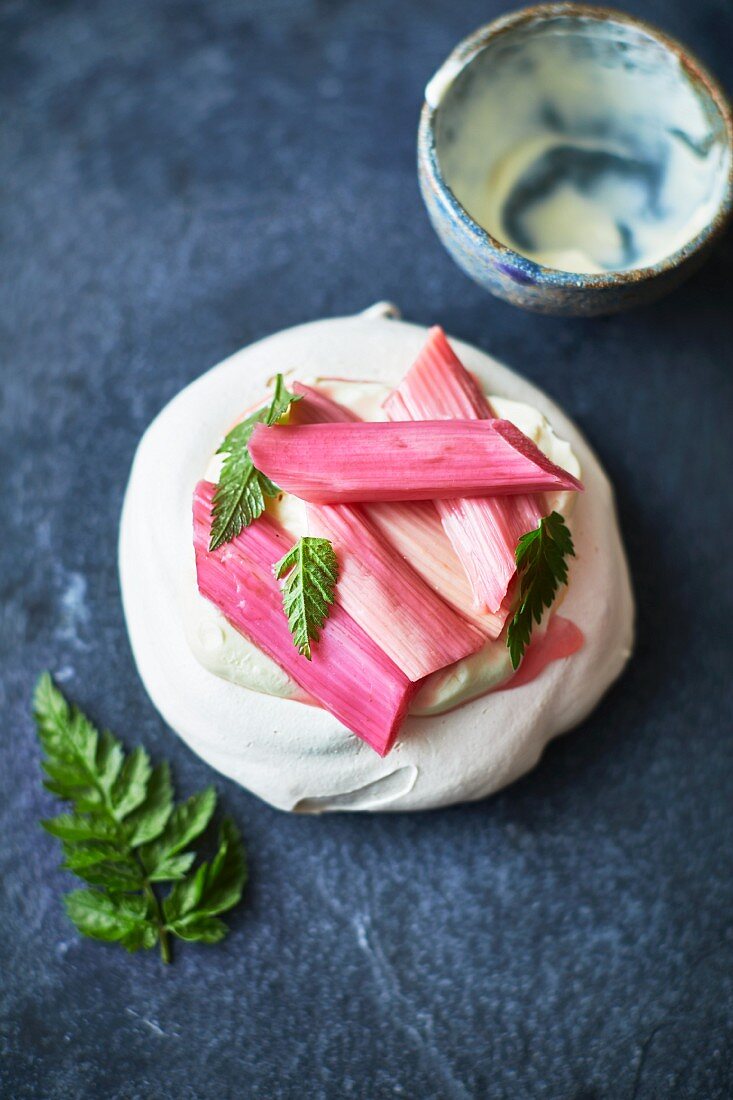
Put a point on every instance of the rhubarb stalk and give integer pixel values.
(420, 460)
(348, 674)
(315, 407)
(412, 527)
(483, 531)
(387, 598)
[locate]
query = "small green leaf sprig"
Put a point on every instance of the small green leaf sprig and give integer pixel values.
(541, 568)
(240, 494)
(125, 837)
(310, 569)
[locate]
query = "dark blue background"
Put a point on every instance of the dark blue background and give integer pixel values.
(181, 179)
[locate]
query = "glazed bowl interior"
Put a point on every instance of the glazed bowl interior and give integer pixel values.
(584, 142)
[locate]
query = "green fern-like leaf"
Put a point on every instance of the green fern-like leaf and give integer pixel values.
(541, 568)
(240, 495)
(311, 572)
(123, 836)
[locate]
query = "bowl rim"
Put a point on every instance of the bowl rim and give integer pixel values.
(469, 48)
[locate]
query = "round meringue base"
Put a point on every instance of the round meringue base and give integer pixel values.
(298, 757)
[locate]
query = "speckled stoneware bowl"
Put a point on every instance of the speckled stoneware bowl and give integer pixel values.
(575, 160)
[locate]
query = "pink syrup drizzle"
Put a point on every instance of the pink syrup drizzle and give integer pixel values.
(561, 639)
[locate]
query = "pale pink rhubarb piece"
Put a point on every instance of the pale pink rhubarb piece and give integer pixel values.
(386, 597)
(349, 674)
(315, 407)
(412, 527)
(415, 530)
(412, 460)
(483, 532)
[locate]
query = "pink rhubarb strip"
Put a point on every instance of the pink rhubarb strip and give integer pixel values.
(413, 460)
(412, 527)
(483, 531)
(387, 598)
(415, 530)
(315, 407)
(349, 674)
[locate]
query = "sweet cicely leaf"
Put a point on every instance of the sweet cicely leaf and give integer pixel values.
(198, 929)
(53, 716)
(185, 895)
(187, 821)
(150, 818)
(123, 876)
(85, 854)
(311, 571)
(212, 888)
(104, 917)
(193, 905)
(123, 835)
(227, 874)
(110, 758)
(73, 827)
(173, 868)
(65, 775)
(131, 786)
(541, 569)
(240, 495)
(144, 934)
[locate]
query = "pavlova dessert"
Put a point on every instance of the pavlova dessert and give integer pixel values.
(366, 567)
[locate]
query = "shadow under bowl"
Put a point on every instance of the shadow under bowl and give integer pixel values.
(575, 160)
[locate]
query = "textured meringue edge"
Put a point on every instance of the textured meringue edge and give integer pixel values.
(298, 757)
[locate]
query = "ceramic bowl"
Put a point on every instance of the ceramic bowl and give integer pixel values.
(575, 160)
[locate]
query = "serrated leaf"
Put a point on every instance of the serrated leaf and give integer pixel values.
(240, 494)
(135, 905)
(212, 888)
(173, 868)
(80, 760)
(185, 895)
(131, 785)
(119, 876)
(282, 399)
(66, 775)
(239, 498)
(83, 739)
(52, 714)
(541, 557)
(103, 916)
(188, 820)
(198, 929)
(110, 758)
(86, 853)
(86, 800)
(143, 935)
(123, 810)
(150, 818)
(227, 875)
(65, 733)
(80, 827)
(311, 571)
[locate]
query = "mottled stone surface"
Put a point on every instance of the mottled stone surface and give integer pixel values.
(180, 179)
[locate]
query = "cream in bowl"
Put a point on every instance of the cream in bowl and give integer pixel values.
(574, 160)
